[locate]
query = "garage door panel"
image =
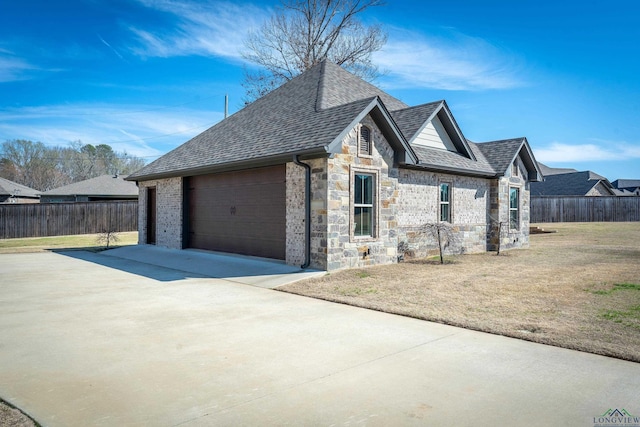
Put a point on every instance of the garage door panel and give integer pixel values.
(241, 212)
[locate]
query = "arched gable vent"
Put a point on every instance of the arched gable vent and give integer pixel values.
(365, 148)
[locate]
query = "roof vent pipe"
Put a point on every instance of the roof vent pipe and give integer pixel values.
(307, 211)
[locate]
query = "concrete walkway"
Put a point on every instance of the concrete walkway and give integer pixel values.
(101, 340)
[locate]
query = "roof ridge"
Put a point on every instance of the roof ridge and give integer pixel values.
(412, 107)
(321, 85)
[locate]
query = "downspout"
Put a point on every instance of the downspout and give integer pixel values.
(307, 211)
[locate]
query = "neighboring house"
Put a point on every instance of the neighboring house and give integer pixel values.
(546, 170)
(104, 187)
(585, 183)
(627, 187)
(12, 192)
(332, 172)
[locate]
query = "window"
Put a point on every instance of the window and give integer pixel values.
(514, 208)
(363, 205)
(365, 145)
(445, 202)
(514, 168)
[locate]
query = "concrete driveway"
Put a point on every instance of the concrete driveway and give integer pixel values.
(104, 340)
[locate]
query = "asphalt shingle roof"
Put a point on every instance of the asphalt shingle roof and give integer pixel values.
(626, 183)
(411, 119)
(443, 159)
(104, 185)
(305, 115)
(567, 184)
(546, 170)
(500, 154)
(8, 188)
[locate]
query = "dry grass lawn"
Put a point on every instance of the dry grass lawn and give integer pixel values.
(578, 288)
(80, 241)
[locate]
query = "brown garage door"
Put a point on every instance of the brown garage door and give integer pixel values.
(241, 212)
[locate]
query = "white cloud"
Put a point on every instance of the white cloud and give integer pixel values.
(139, 130)
(600, 151)
(207, 29)
(454, 62)
(13, 68)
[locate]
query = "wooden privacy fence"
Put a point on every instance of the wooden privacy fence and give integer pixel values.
(584, 209)
(61, 219)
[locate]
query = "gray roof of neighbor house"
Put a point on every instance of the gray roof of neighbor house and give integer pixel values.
(569, 184)
(626, 183)
(546, 170)
(10, 188)
(309, 116)
(104, 185)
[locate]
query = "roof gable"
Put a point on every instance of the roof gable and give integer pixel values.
(501, 155)
(432, 125)
(381, 116)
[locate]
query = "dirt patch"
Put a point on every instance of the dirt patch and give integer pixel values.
(578, 288)
(12, 417)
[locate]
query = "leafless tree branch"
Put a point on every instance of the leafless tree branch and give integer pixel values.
(302, 33)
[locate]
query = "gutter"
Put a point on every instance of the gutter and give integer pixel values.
(307, 210)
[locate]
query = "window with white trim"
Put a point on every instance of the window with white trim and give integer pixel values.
(514, 208)
(363, 204)
(445, 202)
(365, 143)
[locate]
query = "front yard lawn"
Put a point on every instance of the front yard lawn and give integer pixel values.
(578, 288)
(81, 241)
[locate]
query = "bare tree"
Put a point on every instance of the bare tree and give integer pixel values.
(42, 168)
(30, 163)
(498, 230)
(443, 234)
(302, 33)
(107, 237)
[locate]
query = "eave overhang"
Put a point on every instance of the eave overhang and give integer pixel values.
(276, 159)
(533, 169)
(450, 170)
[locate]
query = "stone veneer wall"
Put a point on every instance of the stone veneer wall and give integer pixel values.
(343, 250)
(499, 212)
(319, 226)
(295, 212)
(419, 205)
(406, 199)
(168, 212)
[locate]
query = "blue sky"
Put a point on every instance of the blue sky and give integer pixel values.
(145, 76)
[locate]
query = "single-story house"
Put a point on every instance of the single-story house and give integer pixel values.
(100, 188)
(331, 172)
(12, 192)
(571, 183)
(627, 187)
